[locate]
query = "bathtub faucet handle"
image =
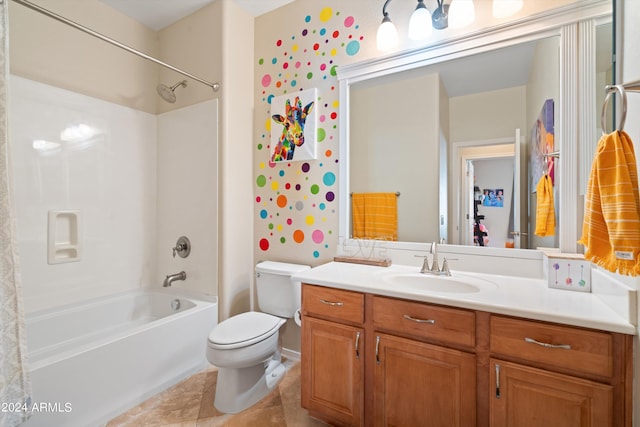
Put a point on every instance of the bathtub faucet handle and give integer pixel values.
(182, 247)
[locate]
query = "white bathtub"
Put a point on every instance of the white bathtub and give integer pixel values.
(93, 360)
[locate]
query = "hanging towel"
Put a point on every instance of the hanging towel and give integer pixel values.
(611, 228)
(545, 210)
(375, 216)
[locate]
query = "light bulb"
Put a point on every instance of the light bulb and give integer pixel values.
(461, 13)
(387, 37)
(420, 23)
(505, 8)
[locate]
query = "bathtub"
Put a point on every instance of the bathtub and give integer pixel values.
(93, 360)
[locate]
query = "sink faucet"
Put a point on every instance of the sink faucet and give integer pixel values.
(435, 269)
(173, 277)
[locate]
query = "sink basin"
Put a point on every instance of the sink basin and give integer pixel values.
(440, 284)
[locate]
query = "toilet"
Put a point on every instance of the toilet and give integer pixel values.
(245, 348)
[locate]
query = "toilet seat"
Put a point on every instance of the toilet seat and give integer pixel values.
(243, 330)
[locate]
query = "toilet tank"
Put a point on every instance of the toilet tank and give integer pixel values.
(277, 293)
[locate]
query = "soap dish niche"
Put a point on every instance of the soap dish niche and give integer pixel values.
(64, 236)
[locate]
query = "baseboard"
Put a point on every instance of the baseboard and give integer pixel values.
(290, 354)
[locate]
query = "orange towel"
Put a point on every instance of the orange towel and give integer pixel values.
(545, 209)
(375, 216)
(611, 229)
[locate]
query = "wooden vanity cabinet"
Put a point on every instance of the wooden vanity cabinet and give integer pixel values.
(380, 361)
(377, 361)
(332, 368)
(545, 374)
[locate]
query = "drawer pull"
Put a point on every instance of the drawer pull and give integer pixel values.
(547, 345)
(357, 345)
(497, 381)
(338, 304)
(414, 319)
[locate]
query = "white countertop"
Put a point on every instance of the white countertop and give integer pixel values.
(514, 296)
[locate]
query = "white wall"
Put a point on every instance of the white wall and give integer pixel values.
(110, 179)
(496, 174)
(187, 203)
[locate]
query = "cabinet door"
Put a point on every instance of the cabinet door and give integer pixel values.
(333, 371)
(419, 384)
(527, 397)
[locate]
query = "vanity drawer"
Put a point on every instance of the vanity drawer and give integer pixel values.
(447, 325)
(565, 347)
(335, 304)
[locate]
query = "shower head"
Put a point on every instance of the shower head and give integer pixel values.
(166, 92)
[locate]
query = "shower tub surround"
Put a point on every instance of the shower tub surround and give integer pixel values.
(93, 360)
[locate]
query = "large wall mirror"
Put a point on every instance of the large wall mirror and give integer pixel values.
(447, 126)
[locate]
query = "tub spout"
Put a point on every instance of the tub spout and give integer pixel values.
(173, 277)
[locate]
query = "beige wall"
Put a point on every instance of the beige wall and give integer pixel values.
(51, 52)
(487, 115)
(236, 190)
(394, 148)
(195, 45)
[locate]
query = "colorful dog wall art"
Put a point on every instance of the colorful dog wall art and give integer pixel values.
(297, 115)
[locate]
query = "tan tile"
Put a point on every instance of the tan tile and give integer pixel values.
(177, 404)
(296, 416)
(207, 410)
(272, 416)
(290, 385)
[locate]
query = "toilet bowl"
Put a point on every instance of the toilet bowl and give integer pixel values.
(246, 348)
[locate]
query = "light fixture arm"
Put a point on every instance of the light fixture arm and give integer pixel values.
(440, 16)
(385, 14)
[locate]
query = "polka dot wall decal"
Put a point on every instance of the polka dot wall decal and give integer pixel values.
(329, 179)
(322, 134)
(317, 236)
(310, 59)
(326, 14)
(353, 47)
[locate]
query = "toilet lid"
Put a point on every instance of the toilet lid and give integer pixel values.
(245, 328)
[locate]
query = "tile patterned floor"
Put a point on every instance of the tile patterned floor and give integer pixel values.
(190, 404)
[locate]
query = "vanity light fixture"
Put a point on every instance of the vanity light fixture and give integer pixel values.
(458, 14)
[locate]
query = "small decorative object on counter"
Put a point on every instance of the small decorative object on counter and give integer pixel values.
(567, 271)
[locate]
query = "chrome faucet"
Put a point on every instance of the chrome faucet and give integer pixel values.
(435, 268)
(173, 277)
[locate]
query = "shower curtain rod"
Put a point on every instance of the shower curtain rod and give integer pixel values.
(47, 12)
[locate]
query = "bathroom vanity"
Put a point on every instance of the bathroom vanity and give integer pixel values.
(389, 346)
